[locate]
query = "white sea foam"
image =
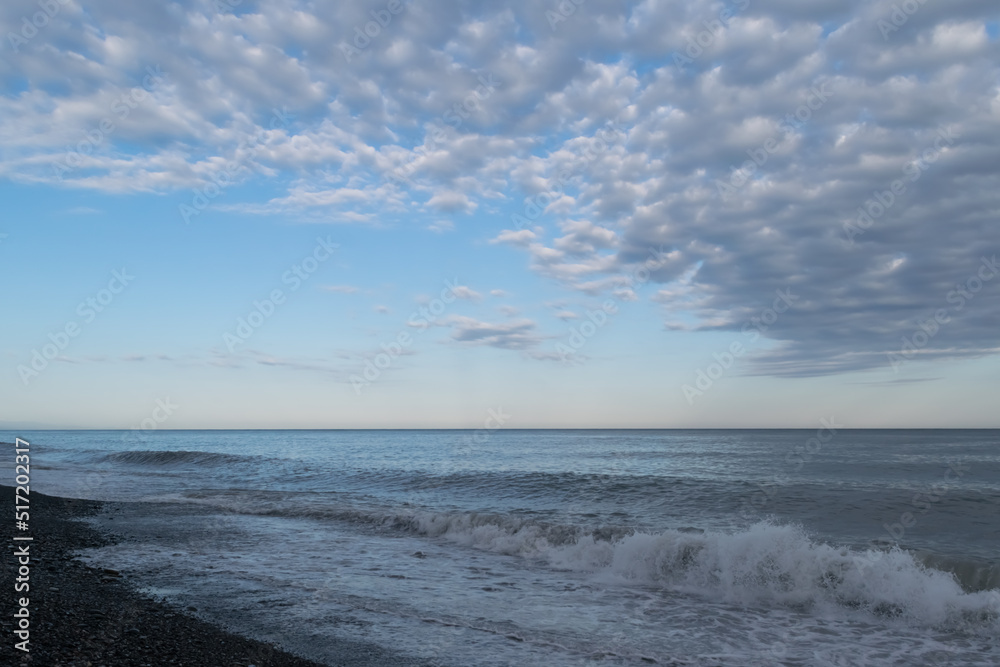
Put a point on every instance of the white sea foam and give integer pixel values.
(764, 564)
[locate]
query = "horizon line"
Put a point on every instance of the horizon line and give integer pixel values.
(539, 428)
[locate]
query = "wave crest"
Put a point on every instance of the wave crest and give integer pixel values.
(766, 564)
(173, 457)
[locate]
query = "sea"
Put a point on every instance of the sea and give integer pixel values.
(559, 547)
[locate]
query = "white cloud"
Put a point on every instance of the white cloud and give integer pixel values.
(341, 289)
(606, 155)
(439, 226)
(514, 335)
(465, 292)
(518, 238)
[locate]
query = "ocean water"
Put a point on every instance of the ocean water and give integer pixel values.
(519, 547)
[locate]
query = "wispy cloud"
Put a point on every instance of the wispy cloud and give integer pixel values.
(465, 292)
(521, 237)
(340, 289)
(514, 335)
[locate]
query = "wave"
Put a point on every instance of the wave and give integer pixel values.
(174, 457)
(765, 564)
(974, 575)
(780, 563)
(633, 490)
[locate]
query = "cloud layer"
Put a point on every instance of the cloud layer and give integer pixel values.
(843, 151)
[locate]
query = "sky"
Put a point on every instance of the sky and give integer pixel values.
(667, 213)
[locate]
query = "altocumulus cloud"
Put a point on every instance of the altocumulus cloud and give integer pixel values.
(603, 198)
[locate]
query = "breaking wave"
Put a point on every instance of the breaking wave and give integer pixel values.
(766, 564)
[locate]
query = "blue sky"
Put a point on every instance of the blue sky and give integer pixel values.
(611, 214)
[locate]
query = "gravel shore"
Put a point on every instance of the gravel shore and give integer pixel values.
(86, 617)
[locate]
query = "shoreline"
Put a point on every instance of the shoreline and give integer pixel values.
(82, 616)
